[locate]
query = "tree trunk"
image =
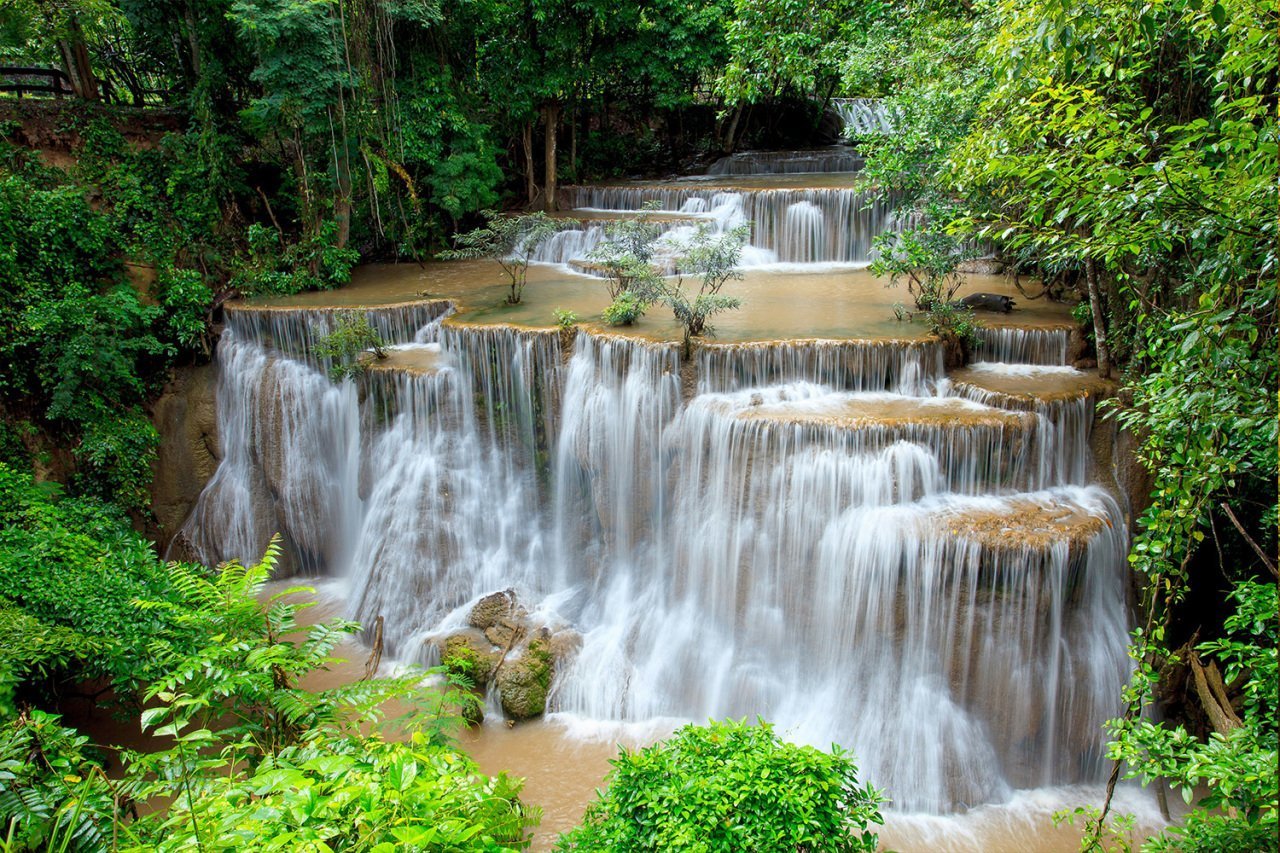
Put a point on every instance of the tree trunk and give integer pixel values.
(1099, 321)
(189, 18)
(732, 132)
(551, 115)
(530, 185)
(75, 56)
(342, 165)
(574, 118)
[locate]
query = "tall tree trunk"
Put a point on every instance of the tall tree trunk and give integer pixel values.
(550, 115)
(530, 185)
(731, 134)
(193, 41)
(574, 118)
(1099, 320)
(75, 56)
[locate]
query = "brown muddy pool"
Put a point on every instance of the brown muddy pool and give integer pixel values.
(777, 304)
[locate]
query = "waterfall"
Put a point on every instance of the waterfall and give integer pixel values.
(829, 534)
(902, 366)
(788, 225)
(863, 116)
(879, 583)
(1023, 346)
(833, 159)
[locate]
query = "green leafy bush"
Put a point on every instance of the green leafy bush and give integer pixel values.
(275, 267)
(54, 793)
(350, 793)
(625, 309)
(258, 761)
(730, 786)
(352, 336)
(927, 258)
(75, 567)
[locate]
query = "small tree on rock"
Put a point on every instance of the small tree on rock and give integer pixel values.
(713, 260)
(352, 336)
(625, 257)
(509, 240)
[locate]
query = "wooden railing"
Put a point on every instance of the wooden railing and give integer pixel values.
(35, 81)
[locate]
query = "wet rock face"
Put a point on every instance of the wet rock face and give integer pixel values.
(492, 609)
(504, 646)
(470, 653)
(186, 417)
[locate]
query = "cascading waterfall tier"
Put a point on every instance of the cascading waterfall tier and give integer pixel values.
(294, 331)
(824, 533)
(836, 158)
(1065, 397)
(905, 367)
(1013, 345)
(788, 225)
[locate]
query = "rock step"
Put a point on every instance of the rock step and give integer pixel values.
(1024, 386)
(956, 444)
(1033, 521)
(294, 329)
(411, 358)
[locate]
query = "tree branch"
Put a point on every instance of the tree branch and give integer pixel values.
(1257, 549)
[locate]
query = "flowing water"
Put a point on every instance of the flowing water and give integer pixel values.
(835, 158)
(791, 222)
(863, 116)
(807, 520)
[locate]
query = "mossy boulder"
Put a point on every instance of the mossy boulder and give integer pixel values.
(523, 681)
(469, 653)
(492, 609)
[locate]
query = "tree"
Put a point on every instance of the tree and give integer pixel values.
(625, 256)
(729, 786)
(713, 259)
(352, 336)
(509, 240)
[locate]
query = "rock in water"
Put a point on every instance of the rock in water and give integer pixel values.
(468, 652)
(523, 681)
(986, 302)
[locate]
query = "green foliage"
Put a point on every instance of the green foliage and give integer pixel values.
(509, 240)
(54, 795)
(565, 319)
(351, 337)
(713, 259)
(625, 309)
(452, 152)
(185, 298)
(787, 45)
(1239, 812)
(258, 760)
(276, 268)
(730, 786)
(927, 258)
(352, 794)
(81, 349)
(73, 567)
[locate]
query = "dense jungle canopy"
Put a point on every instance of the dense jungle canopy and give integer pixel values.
(1123, 154)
